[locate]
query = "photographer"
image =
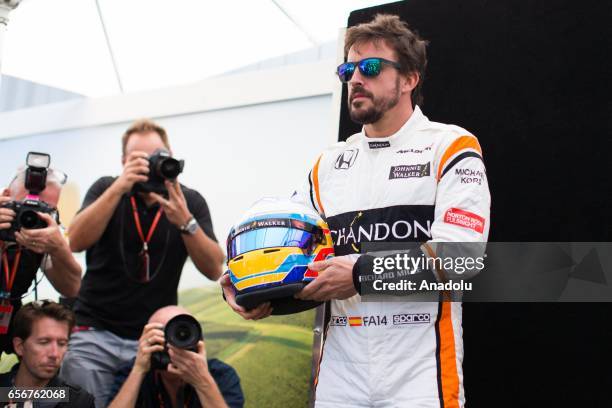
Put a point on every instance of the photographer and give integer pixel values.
(24, 250)
(41, 333)
(138, 230)
(189, 376)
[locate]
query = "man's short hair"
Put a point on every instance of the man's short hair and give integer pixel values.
(408, 46)
(144, 126)
(31, 312)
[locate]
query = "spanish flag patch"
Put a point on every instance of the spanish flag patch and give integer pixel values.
(355, 321)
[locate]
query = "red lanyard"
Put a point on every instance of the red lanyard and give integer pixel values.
(9, 273)
(144, 273)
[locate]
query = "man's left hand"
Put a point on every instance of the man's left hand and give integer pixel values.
(47, 240)
(190, 366)
(175, 206)
(335, 280)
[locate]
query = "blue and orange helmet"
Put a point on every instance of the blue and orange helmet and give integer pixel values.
(268, 252)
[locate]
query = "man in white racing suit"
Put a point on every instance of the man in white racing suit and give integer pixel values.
(403, 178)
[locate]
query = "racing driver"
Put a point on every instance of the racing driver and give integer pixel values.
(403, 178)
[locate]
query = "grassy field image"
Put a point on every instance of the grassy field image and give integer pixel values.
(272, 356)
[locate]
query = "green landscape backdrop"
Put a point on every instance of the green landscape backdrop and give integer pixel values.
(272, 356)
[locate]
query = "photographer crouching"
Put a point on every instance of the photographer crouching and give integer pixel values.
(30, 237)
(171, 369)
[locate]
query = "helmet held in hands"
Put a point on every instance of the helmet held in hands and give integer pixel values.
(268, 252)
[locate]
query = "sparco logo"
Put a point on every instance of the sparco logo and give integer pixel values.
(411, 318)
(380, 231)
(410, 171)
(379, 145)
(338, 321)
(346, 159)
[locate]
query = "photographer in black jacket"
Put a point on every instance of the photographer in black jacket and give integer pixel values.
(42, 332)
(189, 379)
(31, 199)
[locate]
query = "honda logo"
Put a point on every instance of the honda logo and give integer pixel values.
(346, 159)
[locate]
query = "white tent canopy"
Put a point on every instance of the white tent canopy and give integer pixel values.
(106, 47)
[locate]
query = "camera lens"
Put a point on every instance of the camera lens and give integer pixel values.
(170, 168)
(29, 219)
(183, 331)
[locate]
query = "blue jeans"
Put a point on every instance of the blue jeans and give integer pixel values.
(93, 359)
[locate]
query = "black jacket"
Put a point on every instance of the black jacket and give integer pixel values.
(79, 398)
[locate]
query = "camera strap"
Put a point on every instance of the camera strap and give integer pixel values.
(10, 272)
(145, 272)
(6, 308)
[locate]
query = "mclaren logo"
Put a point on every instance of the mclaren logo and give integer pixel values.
(346, 159)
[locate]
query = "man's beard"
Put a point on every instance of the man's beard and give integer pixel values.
(380, 105)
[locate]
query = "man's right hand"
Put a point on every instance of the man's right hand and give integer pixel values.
(260, 312)
(151, 341)
(6, 214)
(135, 170)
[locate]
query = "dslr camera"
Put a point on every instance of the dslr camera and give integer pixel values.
(162, 167)
(182, 331)
(25, 210)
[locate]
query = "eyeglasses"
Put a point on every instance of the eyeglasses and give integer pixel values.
(369, 67)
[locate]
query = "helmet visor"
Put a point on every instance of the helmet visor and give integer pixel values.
(261, 238)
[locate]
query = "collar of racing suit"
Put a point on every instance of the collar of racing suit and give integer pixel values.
(415, 121)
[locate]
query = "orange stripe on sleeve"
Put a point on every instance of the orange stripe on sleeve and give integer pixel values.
(315, 182)
(448, 360)
(463, 142)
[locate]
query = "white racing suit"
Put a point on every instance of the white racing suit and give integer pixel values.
(426, 183)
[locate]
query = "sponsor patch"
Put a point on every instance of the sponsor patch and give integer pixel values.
(411, 318)
(346, 159)
(379, 145)
(271, 222)
(381, 320)
(412, 150)
(410, 171)
(375, 320)
(469, 176)
(464, 219)
(402, 223)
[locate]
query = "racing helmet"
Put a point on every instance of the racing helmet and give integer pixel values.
(268, 252)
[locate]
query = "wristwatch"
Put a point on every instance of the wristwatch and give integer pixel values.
(190, 227)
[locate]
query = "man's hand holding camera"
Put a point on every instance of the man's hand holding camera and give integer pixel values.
(151, 341)
(45, 240)
(7, 215)
(190, 366)
(135, 170)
